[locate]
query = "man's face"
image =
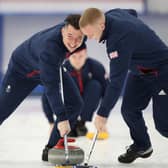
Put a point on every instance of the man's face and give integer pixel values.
(93, 31)
(78, 59)
(72, 38)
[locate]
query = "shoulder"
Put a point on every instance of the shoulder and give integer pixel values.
(132, 12)
(68, 66)
(94, 63)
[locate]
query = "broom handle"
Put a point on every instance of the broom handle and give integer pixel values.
(91, 147)
(66, 149)
(62, 96)
(61, 84)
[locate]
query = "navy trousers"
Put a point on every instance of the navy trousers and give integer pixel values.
(140, 89)
(91, 98)
(15, 88)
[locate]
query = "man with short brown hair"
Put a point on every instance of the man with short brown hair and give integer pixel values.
(38, 61)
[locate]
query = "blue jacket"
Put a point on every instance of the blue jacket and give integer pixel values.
(39, 58)
(130, 45)
(92, 70)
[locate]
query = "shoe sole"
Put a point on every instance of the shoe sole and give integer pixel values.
(146, 155)
(138, 156)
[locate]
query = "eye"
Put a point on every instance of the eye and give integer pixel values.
(69, 36)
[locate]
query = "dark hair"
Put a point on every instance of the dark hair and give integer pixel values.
(73, 20)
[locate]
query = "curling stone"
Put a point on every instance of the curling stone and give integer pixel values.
(56, 155)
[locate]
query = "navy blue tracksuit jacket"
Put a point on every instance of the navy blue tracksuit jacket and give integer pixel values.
(37, 61)
(39, 58)
(91, 81)
(132, 45)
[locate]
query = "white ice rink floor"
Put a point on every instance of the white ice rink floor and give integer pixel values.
(25, 133)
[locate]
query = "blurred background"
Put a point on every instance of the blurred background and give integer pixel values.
(19, 19)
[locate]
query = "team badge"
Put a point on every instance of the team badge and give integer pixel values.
(113, 55)
(90, 75)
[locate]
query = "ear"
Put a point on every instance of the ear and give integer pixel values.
(63, 30)
(102, 26)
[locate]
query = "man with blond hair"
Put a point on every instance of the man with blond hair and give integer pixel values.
(131, 45)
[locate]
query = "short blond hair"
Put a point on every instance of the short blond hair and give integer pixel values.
(90, 16)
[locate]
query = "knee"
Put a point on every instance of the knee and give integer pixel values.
(95, 84)
(161, 125)
(44, 101)
(124, 111)
(94, 87)
(79, 104)
(128, 113)
(163, 132)
(43, 98)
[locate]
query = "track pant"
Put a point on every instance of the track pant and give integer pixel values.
(91, 97)
(138, 92)
(14, 89)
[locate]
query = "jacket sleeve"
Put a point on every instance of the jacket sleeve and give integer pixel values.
(120, 56)
(50, 63)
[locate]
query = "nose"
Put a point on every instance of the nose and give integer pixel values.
(73, 43)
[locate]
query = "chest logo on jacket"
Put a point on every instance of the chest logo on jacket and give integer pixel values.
(113, 55)
(90, 75)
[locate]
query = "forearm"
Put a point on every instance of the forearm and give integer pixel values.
(110, 98)
(56, 103)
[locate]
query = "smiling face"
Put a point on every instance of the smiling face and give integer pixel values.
(78, 59)
(72, 38)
